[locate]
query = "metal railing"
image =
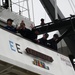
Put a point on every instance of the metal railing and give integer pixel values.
(21, 8)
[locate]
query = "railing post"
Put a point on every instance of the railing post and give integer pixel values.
(28, 10)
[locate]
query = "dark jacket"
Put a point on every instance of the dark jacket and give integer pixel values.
(25, 33)
(11, 28)
(43, 42)
(52, 44)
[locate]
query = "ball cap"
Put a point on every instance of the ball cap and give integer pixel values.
(42, 19)
(56, 36)
(10, 20)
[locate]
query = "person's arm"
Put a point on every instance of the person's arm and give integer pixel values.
(18, 28)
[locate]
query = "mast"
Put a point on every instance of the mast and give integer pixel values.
(56, 13)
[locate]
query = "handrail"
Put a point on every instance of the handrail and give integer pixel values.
(56, 25)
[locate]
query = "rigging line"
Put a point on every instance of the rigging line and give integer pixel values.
(33, 11)
(23, 6)
(19, 4)
(71, 6)
(19, 8)
(73, 3)
(45, 15)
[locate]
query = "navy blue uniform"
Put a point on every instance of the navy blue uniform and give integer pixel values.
(25, 33)
(43, 42)
(11, 28)
(52, 44)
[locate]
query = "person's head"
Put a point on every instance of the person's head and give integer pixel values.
(45, 36)
(9, 22)
(42, 21)
(22, 24)
(36, 32)
(55, 37)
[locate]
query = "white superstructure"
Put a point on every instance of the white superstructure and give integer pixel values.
(13, 51)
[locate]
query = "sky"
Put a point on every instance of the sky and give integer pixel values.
(67, 7)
